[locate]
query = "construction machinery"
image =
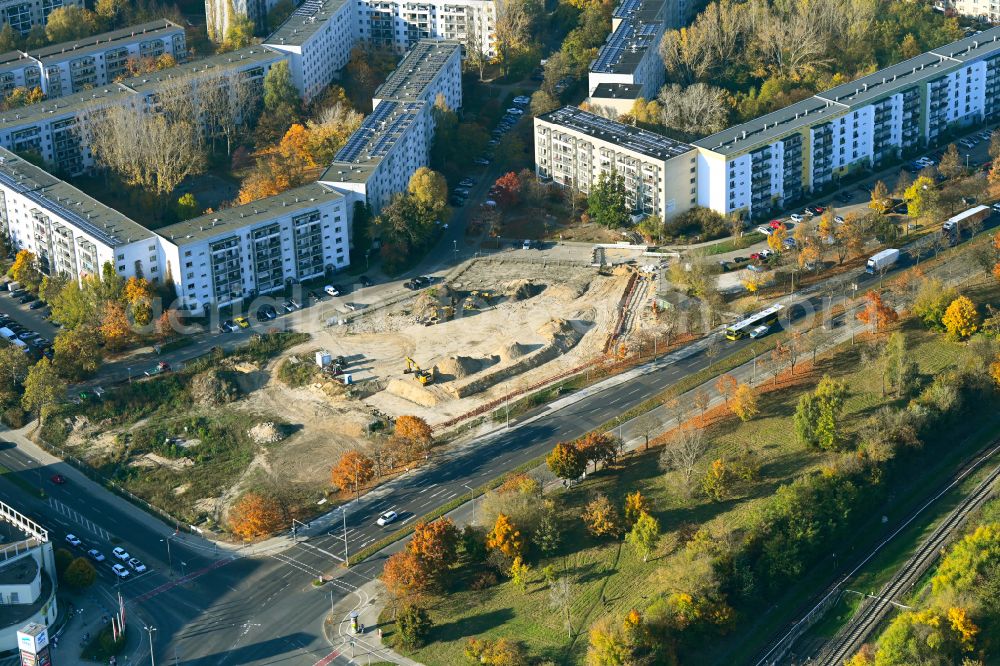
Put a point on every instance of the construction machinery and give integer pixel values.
(422, 376)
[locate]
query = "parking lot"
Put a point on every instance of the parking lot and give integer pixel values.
(25, 323)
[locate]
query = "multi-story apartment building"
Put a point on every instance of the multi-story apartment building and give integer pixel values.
(23, 15)
(573, 148)
(400, 24)
(28, 580)
(252, 250)
(379, 158)
(64, 69)
(318, 38)
(57, 129)
(70, 232)
(628, 65)
(395, 140)
(988, 10)
(808, 146)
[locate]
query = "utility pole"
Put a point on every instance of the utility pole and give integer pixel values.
(473, 492)
(170, 561)
(343, 511)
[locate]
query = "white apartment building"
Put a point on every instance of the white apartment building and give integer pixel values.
(317, 38)
(70, 232)
(573, 148)
(28, 578)
(395, 139)
(988, 10)
(23, 15)
(57, 129)
(63, 69)
(628, 65)
(252, 250)
(807, 147)
(399, 24)
(379, 158)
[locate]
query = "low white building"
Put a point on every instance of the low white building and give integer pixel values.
(63, 69)
(574, 147)
(318, 38)
(23, 15)
(246, 251)
(28, 578)
(629, 62)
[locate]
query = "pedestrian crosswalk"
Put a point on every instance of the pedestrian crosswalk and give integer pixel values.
(78, 521)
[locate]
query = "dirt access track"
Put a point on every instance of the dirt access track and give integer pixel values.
(535, 321)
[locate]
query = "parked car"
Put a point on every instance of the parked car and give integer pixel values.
(73, 540)
(136, 564)
(26, 298)
(759, 332)
(365, 281)
(789, 243)
(120, 571)
(227, 326)
(331, 290)
(795, 217)
(120, 553)
(838, 219)
(764, 229)
(387, 518)
(467, 182)
(37, 305)
(95, 555)
(482, 161)
(242, 322)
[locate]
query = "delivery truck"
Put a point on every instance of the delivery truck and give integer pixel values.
(882, 261)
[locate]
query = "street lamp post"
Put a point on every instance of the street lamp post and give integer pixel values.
(343, 511)
(152, 658)
(170, 561)
(455, 242)
(129, 375)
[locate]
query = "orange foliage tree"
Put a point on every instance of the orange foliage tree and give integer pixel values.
(508, 189)
(436, 544)
(294, 147)
(598, 447)
(600, 517)
(877, 314)
(726, 386)
(414, 429)
(353, 470)
(115, 328)
(505, 537)
(139, 297)
(565, 461)
(255, 515)
(635, 504)
(406, 575)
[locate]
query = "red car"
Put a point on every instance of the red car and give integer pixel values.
(774, 224)
(58, 479)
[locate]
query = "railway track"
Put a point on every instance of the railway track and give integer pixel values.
(872, 611)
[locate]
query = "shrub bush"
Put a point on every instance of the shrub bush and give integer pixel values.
(14, 417)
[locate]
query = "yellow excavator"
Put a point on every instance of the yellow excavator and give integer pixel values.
(423, 376)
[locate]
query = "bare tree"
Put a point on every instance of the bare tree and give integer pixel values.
(476, 48)
(697, 109)
(683, 453)
(647, 425)
(560, 597)
(226, 104)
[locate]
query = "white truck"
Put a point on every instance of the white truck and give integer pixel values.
(13, 286)
(882, 261)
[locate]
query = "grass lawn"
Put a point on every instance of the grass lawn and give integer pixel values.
(608, 577)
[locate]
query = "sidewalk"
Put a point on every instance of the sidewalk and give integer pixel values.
(368, 601)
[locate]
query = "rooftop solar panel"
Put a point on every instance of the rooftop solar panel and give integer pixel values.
(633, 138)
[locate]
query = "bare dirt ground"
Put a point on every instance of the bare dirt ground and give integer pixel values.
(552, 318)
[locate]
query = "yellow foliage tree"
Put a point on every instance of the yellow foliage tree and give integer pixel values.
(139, 297)
(115, 328)
(963, 626)
(961, 319)
(294, 146)
(744, 403)
(600, 517)
(776, 239)
(635, 505)
(505, 537)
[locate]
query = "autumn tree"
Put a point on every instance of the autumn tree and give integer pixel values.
(69, 23)
(951, 165)
(414, 624)
(776, 239)
(566, 462)
(353, 470)
(138, 296)
(75, 353)
(920, 197)
(429, 190)
(330, 130)
(511, 31)
(876, 313)
(239, 32)
(406, 575)
(644, 534)
(726, 385)
(495, 652)
(505, 538)
(744, 404)
(718, 480)
(115, 328)
(26, 270)
(13, 371)
(508, 190)
(436, 544)
(600, 517)
(598, 447)
(849, 237)
(880, 202)
(961, 319)
(256, 514)
(932, 300)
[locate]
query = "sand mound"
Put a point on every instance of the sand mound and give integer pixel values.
(520, 290)
(430, 300)
(409, 389)
(570, 289)
(512, 352)
(555, 328)
(459, 366)
(265, 433)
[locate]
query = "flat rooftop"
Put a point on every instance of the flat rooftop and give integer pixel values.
(417, 70)
(863, 91)
(89, 214)
(617, 91)
(627, 46)
(304, 22)
(227, 219)
(633, 138)
(371, 142)
(19, 572)
(71, 104)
